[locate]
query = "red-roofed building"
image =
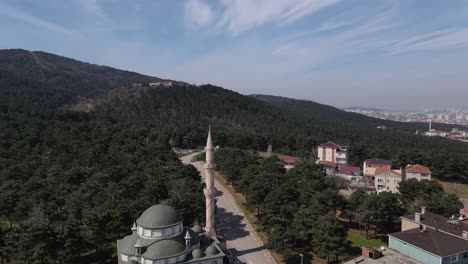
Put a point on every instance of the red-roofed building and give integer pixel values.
(419, 172)
(289, 161)
(349, 172)
(330, 167)
(332, 152)
(387, 180)
(371, 165)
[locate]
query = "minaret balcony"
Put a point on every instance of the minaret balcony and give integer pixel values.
(209, 193)
(210, 166)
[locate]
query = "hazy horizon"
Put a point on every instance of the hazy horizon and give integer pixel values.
(391, 54)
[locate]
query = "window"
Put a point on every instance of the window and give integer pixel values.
(453, 259)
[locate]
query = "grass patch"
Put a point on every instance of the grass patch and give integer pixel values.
(360, 241)
(461, 190)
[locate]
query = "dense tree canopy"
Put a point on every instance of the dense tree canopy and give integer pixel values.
(416, 194)
(72, 183)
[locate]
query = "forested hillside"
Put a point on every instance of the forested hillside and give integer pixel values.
(72, 184)
(184, 112)
(332, 114)
(49, 80)
(247, 123)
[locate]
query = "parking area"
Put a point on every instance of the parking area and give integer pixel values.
(389, 257)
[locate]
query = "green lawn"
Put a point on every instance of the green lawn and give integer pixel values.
(359, 241)
(461, 190)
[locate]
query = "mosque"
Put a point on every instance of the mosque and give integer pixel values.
(159, 237)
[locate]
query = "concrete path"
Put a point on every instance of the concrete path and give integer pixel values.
(232, 224)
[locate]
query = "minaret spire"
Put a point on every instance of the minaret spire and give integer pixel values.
(209, 189)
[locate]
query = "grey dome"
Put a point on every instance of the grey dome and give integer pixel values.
(197, 253)
(164, 249)
(159, 216)
(197, 229)
(211, 251)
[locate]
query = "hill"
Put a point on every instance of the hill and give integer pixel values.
(329, 113)
(49, 80)
(183, 112)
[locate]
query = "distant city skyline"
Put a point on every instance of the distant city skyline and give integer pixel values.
(389, 54)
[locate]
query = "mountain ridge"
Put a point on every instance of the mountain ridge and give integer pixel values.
(185, 111)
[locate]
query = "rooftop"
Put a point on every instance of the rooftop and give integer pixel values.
(378, 161)
(288, 159)
(431, 240)
(349, 170)
(327, 164)
(330, 144)
(159, 216)
(386, 169)
(416, 168)
(441, 223)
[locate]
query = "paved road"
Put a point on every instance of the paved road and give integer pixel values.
(233, 226)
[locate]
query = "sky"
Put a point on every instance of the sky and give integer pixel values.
(390, 54)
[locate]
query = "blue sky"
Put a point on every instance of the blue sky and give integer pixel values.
(408, 54)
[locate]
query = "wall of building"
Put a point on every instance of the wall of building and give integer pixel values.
(210, 261)
(412, 252)
(326, 154)
(341, 157)
(388, 180)
(406, 225)
(461, 259)
(418, 176)
(370, 168)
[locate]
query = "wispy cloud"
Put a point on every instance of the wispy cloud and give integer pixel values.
(198, 12)
(35, 21)
(440, 39)
(309, 49)
(91, 6)
(237, 16)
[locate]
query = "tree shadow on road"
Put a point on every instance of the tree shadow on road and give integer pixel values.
(218, 193)
(247, 251)
(230, 226)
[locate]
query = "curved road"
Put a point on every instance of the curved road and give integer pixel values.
(233, 226)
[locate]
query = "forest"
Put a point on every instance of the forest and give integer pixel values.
(72, 184)
(247, 123)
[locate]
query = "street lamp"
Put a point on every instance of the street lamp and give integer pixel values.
(302, 258)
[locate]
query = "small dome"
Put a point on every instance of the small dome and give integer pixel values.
(211, 251)
(197, 253)
(164, 249)
(158, 216)
(197, 229)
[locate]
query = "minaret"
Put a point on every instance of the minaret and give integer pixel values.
(209, 189)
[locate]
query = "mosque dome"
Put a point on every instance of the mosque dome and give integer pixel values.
(197, 253)
(211, 251)
(164, 249)
(197, 229)
(159, 216)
